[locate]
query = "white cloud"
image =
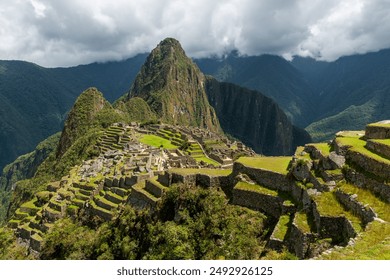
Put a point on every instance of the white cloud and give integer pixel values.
(63, 33)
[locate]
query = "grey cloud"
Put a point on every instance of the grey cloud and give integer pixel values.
(63, 33)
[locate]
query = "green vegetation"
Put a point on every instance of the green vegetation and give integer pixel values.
(156, 141)
(136, 109)
(379, 125)
(301, 222)
(324, 148)
(358, 145)
(328, 205)
(255, 188)
(208, 228)
(205, 171)
(206, 160)
(275, 164)
(281, 227)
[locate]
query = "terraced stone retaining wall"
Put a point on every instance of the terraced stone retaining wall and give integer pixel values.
(266, 178)
(339, 228)
(271, 205)
(365, 213)
(362, 181)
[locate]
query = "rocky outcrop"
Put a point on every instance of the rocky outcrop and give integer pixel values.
(174, 88)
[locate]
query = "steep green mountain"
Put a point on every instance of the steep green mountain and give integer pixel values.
(35, 100)
(254, 119)
(350, 92)
(271, 75)
(90, 110)
(173, 87)
(24, 167)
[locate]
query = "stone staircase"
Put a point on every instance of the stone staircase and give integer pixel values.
(146, 194)
(114, 138)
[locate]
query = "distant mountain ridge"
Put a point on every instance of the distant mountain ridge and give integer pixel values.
(324, 97)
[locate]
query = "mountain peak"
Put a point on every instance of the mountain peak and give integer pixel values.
(173, 87)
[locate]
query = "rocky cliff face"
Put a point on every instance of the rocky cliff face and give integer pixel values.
(173, 87)
(254, 119)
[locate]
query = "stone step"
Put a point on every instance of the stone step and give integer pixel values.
(101, 212)
(53, 186)
(257, 197)
(379, 146)
(119, 191)
(104, 203)
(46, 227)
(82, 196)
(72, 210)
(141, 199)
(51, 214)
(155, 188)
(56, 206)
(14, 223)
(19, 215)
(78, 202)
(30, 207)
(114, 198)
(36, 242)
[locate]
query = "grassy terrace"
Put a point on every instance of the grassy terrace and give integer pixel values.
(372, 244)
(327, 205)
(205, 159)
(275, 164)
(281, 227)
(156, 141)
(379, 124)
(255, 188)
(299, 151)
(366, 197)
(300, 221)
(324, 148)
(358, 145)
(205, 171)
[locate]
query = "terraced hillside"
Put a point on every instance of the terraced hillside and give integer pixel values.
(328, 201)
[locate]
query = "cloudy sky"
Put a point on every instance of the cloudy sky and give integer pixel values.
(64, 33)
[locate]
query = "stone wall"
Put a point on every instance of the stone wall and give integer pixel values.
(371, 165)
(338, 228)
(298, 241)
(377, 132)
(361, 181)
(265, 178)
(271, 205)
(378, 148)
(154, 189)
(364, 212)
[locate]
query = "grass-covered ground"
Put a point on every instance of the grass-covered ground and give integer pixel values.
(205, 159)
(358, 145)
(275, 164)
(301, 222)
(327, 205)
(156, 141)
(255, 188)
(281, 227)
(324, 148)
(205, 171)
